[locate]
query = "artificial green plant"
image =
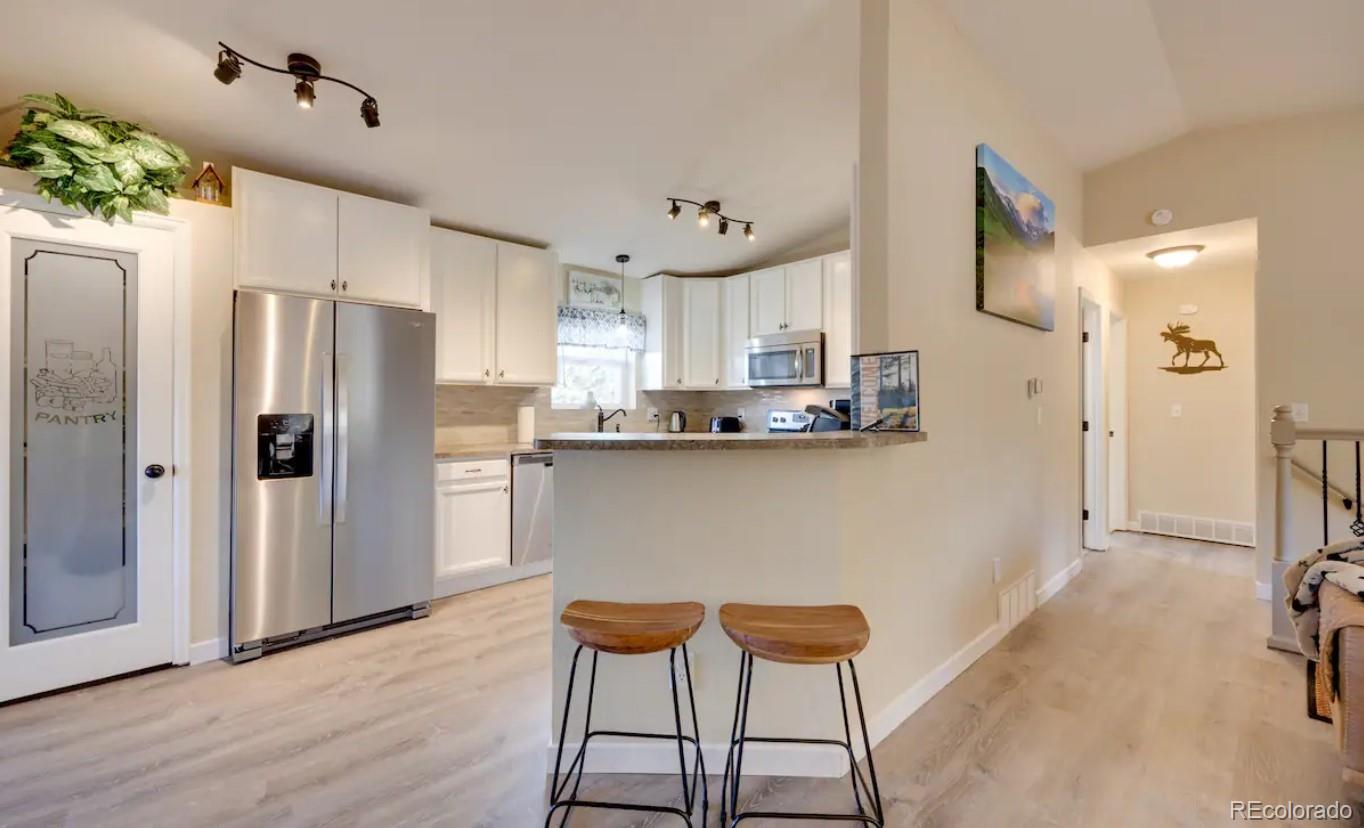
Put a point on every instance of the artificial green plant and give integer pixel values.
(87, 159)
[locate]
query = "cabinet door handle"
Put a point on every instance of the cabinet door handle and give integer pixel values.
(487, 372)
(502, 373)
(333, 284)
(505, 490)
(717, 380)
(345, 285)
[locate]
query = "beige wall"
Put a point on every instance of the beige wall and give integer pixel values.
(991, 481)
(1301, 178)
(1201, 463)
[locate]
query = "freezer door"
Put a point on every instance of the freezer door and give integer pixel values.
(281, 465)
(385, 448)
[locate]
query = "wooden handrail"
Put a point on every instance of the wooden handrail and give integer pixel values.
(1347, 435)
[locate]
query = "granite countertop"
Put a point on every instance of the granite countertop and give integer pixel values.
(483, 451)
(700, 441)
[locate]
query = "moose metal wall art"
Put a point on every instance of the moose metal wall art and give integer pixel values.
(1187, 346)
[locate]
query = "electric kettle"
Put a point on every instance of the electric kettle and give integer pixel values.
(677, 422)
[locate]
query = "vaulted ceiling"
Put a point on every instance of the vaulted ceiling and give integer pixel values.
(563, 122)
(1113, 77)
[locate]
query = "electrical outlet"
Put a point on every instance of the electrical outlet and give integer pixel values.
(680, 671)
(653, 414)
(1300, 412)
(739, 413)
(1176, 410)
(999, 570)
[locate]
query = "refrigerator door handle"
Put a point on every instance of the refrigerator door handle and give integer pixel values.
(324, 485)
(342, 435)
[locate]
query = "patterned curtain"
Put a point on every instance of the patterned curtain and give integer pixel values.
(599, 328)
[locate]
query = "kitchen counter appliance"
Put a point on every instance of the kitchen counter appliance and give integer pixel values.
(532, 510)
(725, 425)
(793, 358)
(677, 422)
(333, 434)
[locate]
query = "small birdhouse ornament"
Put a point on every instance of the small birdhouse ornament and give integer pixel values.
(208, 186)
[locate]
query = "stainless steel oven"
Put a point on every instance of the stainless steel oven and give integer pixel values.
(791, 358)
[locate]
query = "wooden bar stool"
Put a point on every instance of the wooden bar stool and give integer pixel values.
(797, 635)
(631, 629)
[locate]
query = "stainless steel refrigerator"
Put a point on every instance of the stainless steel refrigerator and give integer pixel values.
(333, 468)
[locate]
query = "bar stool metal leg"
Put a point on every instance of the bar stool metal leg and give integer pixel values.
(739, 737)
(579, 763)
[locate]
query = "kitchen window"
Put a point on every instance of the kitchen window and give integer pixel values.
(598, 356)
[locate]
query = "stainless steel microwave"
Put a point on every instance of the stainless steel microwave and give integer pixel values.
(790, 358)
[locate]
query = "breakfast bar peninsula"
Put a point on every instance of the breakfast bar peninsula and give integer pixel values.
(750, 517)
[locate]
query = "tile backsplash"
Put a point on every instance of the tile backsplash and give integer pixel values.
(473, 414)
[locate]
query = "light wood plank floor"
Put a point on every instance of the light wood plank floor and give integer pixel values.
(1141, 695)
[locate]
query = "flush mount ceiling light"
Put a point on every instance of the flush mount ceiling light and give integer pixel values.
(1173, 257)
(306, 72)
(705, 212)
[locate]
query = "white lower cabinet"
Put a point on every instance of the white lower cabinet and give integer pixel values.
(473, 522)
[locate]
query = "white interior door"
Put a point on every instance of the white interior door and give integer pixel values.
(1117, 423)
(1095, 506)
(86, 575)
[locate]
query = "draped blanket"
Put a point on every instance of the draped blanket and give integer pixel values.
(1340, 563)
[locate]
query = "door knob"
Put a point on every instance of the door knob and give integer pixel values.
(154, 471)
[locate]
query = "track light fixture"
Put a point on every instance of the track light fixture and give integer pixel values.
(705, 211)
(306, 72)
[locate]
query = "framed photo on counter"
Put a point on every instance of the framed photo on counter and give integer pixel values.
(885, 391)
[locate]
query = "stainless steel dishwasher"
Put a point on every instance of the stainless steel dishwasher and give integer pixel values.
(532, 512)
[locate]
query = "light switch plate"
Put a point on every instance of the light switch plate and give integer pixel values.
(1176, 410)
(1300, 412)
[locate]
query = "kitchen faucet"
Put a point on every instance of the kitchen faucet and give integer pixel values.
(602, 417)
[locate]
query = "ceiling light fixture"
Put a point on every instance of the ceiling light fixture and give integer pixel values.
(305, 70)
(1173, 257)
(704, 212)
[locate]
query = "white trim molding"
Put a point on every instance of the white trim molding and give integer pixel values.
(1058, 582)
(1263, 590)
(202, 652)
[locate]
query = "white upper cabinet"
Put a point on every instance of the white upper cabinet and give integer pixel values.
(701, 333)
(838, 320)
(805, 295)
(299, 238)
(789, 298)
(285, 234)
(767, 301)
(734, 332)
(526, 315)
(464, 299)
(382, 251)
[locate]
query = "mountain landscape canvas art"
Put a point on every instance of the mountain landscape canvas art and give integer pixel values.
(1015, 244)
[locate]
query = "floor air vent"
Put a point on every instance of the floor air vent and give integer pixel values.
(1197, 528)
(1017, 601)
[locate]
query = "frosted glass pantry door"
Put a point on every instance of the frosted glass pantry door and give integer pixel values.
(87, 583)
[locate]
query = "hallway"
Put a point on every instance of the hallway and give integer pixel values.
(1142, 694)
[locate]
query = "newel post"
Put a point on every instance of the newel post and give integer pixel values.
(1283, 434)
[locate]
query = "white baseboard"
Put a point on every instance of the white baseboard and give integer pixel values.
(1263, 590)
(1134, 526)
(205, 651)
(904, 705)
(1058, 582)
